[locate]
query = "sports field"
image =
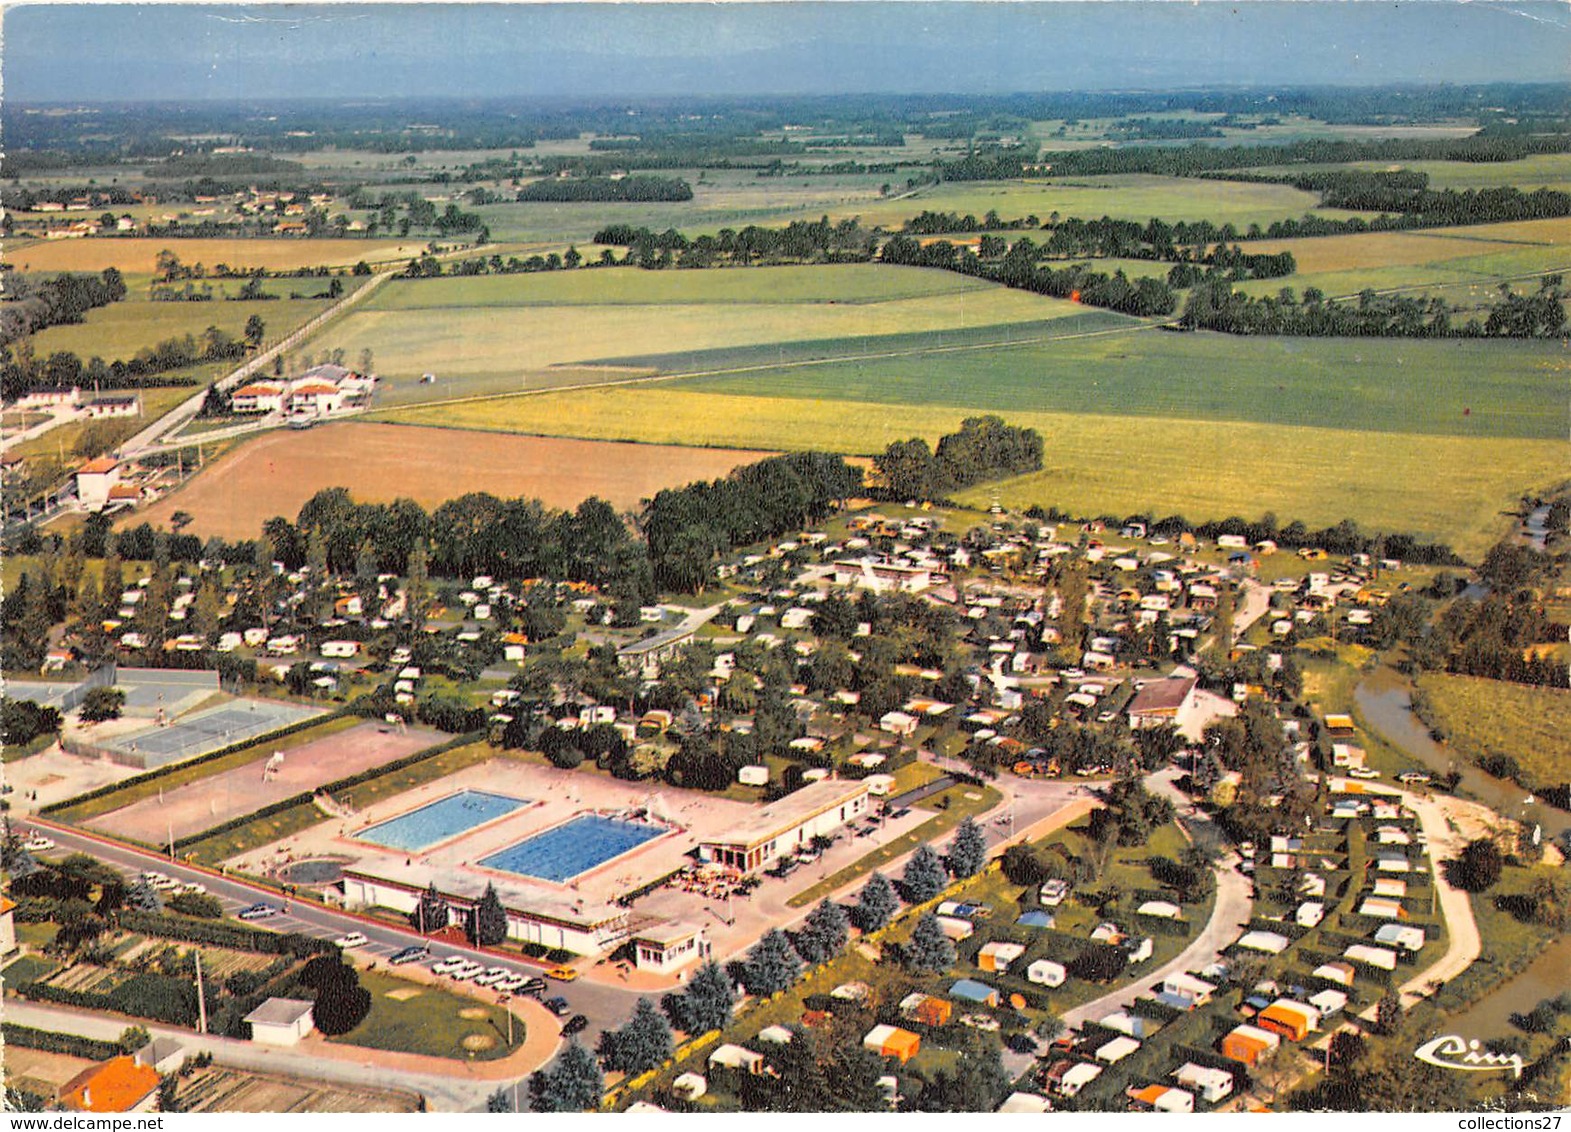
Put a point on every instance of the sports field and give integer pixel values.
(277, 472)
(189, 809)
(513, 333)
(136, 254)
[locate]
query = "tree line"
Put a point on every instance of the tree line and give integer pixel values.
(20, 371)
(1019, 269)
(59, 300)
(800, 241)
(1214, 305)
(618, 189)
(985, 448)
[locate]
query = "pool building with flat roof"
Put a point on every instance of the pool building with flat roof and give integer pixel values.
(789, 824)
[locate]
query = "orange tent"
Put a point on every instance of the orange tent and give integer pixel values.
(892, 1041)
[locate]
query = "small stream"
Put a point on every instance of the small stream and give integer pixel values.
(1546, 977)
(1385, 701)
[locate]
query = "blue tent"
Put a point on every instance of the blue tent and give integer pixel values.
(1036, 919)
(973, 991)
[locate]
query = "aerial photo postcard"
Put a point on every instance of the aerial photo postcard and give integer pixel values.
(881, 557)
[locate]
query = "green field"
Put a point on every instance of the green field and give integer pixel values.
(1466, 389)
(121, 329)
(507, 334)
(1483, 717)
(1544, 170)
(1096, 463)
(1136, 196)
(411, 1017)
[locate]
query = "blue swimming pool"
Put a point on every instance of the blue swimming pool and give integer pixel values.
(574, 847)
(440, 820)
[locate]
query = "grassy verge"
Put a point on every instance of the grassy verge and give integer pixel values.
(1487, 717)
(959, 808)
(432, 1021)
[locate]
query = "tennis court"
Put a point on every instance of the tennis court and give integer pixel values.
(235, 722)
(170, 690)
(308, 763)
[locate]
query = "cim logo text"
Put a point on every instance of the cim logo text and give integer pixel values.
(1453, 1052)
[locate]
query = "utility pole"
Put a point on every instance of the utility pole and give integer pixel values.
(201, 998)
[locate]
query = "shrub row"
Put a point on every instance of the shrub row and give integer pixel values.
(223, 935)
(73, 1045)
(304, 797)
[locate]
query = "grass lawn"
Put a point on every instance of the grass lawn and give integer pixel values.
(432, 1020)
(60, 442)
(1508, 944)
(1482, 717)
(960, 807)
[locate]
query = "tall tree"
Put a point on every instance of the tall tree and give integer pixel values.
(641, 1045)
(573, 1084)
(929, 948)
(824, 933)
(431, 913)
(876, 903)
(706, 1003)
(968, 851)
(772, 966)
(488, 926)
(924, 876)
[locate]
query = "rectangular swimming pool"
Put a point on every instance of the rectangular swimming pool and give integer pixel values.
(437, 821)
(576, 846)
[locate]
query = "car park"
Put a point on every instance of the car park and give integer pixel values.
(351, 941)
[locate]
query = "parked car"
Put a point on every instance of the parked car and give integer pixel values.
(37, 844)
(351, 941)
(409, 955)
(491, 977)
(467, 969)
(511, 983)
(1414, 778)
(258, 912)
(574, 1025)
(448, 965)
(557, 1005)
(1363, 772)
(562, 974)
(191, 888)
(533, 987)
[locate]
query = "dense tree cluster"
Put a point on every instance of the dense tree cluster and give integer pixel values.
(58, 300)
(631, 189)
(801, 241)
(1216, 306)
(688, 528)
(1019, 268)
(984, 449)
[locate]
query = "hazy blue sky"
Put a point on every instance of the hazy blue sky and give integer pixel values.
(58, 52)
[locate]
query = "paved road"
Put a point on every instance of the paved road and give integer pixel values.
(1234, 902)
(178, 417)
(442, 1094)
(1254, 601)
(604, 1005)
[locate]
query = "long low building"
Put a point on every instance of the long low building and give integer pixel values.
(534, 913)
(789, 824)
